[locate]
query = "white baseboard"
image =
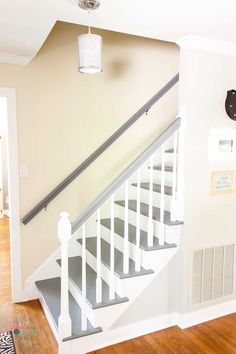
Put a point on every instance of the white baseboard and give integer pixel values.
(206, 314)
(113, 336)
(117, 335)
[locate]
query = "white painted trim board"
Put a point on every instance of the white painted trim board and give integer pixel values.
(14, 195)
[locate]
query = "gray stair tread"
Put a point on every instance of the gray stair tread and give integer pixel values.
(50, 290)
(91, 246)
(119, 230)
(144, 210)
(168, 168)
(156, 187)
(170, 151)
(75, 274)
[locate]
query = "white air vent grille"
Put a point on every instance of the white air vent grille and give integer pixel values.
(213, 273)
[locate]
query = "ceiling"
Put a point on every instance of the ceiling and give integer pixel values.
(25, 24)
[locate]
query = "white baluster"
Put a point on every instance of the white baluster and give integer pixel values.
(64, 235)
(126, 230)
(174, 180)
(99, 279)
(150, 212)
(162, 204)
(138, 251)
(84, 290)
(112, 253)
(180, 167)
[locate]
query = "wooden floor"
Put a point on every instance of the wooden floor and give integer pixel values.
(214, 337)
(37, 337)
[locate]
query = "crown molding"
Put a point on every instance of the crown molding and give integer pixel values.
(207, 44)
(8, 58)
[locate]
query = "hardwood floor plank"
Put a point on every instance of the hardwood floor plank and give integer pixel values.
(213, 337)
(36, 337)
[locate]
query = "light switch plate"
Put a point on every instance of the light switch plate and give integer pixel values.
(24, 171)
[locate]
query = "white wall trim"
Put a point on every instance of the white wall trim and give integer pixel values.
(207, 44)
(113, 336)
(206, 314)
(7, 58)
(14, 196)
(121, 334)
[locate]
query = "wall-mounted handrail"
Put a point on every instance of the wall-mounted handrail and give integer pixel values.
(52, 195)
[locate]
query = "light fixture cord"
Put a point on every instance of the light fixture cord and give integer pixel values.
(89, 26)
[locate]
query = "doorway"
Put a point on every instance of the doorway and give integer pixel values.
(4, 198)
(9, 181)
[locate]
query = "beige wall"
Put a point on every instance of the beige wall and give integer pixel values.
(64, 116)
(209, 219)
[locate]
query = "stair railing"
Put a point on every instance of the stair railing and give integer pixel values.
(77, 172)
(115, 201)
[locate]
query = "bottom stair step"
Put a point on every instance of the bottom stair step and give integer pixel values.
(50, 290)
(91, 246)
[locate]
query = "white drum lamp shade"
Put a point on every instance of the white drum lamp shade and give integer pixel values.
(90, 53)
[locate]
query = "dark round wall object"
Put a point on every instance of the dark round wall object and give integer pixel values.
(230, 104)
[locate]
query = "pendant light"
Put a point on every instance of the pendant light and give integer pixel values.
(89, 45)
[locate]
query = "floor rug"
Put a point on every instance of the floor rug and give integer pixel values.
(7, 343)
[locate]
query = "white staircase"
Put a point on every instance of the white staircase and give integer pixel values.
(115, 248)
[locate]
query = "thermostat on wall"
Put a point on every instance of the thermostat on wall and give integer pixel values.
(222, 145)
(226, 145)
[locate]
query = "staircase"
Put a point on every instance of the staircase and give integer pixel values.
(115, 247)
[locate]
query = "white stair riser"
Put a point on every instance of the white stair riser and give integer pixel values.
(100, 317)
(120, 194)
(124, 287)
(105, 272)
(78, 297)
(106, 316)
(157, 177)
(145, 198)
(172, 233)
(155, 260)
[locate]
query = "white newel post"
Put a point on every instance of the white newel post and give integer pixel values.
(64, 235)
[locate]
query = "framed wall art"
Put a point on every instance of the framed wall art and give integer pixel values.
(223, 182)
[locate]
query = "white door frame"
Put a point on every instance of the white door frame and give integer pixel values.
(14, 195)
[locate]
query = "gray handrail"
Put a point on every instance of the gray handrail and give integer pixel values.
(119, 181)
(44, 203)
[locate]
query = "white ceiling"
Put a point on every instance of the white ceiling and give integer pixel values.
(25, 24)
